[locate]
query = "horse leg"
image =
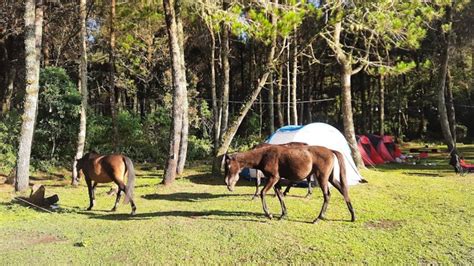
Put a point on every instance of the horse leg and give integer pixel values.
(345, 193)
(91, 193)
(277, 189)
(310, 188)
(119, 194)
(287, 189)
(134, 207)
(123, 188)
(271, 181)
(257, 185)
(323, 184)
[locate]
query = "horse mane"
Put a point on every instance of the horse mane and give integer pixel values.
(91, 154)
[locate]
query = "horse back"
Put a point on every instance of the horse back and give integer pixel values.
(290, 162)
(108, 168)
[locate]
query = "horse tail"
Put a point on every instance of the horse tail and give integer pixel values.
(344, 185)
(342, 172)
(130, 180)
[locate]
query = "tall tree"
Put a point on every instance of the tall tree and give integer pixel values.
(179, 88)
(278, 96)
(113, 109)
(381, 104)
(206, 13)
(294, 79)
(271, 110)
(225, 72)
(33, 35)
(443, 73)
(362, 34)
(234, 126)
(183, 147)
(81, 138)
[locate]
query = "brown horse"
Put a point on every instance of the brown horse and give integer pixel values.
(258, 178)
(105, 169)
(296, 164)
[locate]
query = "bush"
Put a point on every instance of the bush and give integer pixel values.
(9, 131)
(199, 149)
(58, 115)
(145, 140)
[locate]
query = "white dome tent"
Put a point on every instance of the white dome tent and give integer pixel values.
(318, 134)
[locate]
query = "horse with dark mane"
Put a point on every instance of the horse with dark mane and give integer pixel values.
(258, 178)
(295, 164)
(105, 169)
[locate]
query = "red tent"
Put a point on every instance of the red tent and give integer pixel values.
(391, 146)
(377, 142)
(367, 151)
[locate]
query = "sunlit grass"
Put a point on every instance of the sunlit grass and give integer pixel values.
(406, 214)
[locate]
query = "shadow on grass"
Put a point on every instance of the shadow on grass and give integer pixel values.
(187, 197)
(209, 179)
(215, 215)
(188, 214)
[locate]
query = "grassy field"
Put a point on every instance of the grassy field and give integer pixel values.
(406, 214)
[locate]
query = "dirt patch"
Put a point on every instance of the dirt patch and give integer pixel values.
(44, 239)
(383, 224)
(18, 241)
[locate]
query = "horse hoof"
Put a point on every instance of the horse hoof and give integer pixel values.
(113, 209)
(283, 217)
(269, 216)
(90, 208)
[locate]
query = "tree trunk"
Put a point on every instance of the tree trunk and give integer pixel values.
(271, 110)
(442, 111)
(183, 149)
(347, 115)
(294, 109)
(278, 96)
(288, 85)
(179, 84)
(345, 64)
(7, 97)
(381, 105)
(215, 109)
(33, 36)
(113, 109)
(225, 74)
(81, 138)
(450, 105)
(365, 105)
(234, 126)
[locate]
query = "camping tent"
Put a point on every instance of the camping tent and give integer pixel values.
(367, 151)
(382, 150)
(391, 146)
(319, 134)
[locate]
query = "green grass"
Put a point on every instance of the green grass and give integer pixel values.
(406, 214)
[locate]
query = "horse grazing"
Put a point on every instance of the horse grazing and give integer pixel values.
(105, 169)
(258, 178)
(296, 164)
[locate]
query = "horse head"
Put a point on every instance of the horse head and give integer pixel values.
(232, 169)
(80, 163)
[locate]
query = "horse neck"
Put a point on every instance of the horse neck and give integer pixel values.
(249, 159)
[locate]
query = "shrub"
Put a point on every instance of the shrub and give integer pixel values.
(199, 149)
(57, 121)
(9, 131)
